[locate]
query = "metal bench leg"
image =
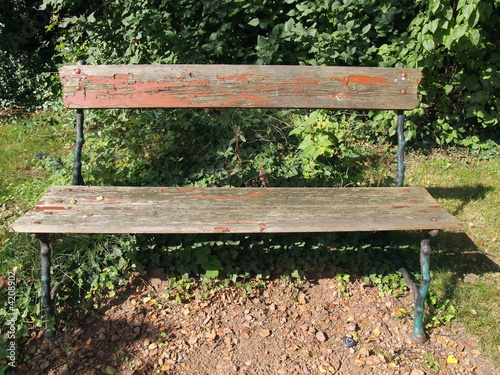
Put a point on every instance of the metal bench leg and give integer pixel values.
(45, 253)
(418, 335)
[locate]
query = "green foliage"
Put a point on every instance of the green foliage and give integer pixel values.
(26, 56)
(454, 44)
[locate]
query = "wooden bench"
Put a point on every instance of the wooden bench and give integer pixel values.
(105, 209)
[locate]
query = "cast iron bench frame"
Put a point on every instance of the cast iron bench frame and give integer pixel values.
(97, 209)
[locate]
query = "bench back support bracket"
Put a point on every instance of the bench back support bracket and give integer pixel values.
(80, 140)
(401, 149)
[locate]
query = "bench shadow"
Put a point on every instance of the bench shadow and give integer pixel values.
(371, 252)
(465, 194)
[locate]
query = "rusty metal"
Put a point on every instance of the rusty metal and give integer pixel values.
(401, 149)
(418, 335)
(47, 302)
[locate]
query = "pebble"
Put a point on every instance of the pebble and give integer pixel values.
(264, 333)
(320, 336)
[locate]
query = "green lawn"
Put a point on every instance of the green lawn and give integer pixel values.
(469, 188)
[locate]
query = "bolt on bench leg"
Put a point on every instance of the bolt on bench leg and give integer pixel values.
(45, 254)
(418, 335)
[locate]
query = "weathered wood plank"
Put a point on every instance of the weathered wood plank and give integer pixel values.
(77, 209)
(235, 86)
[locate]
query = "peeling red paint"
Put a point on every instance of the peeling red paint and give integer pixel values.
(252, 195)
(214, 196)
(400, 206)
(303, 80)
(221, 229)
(361, 80)
(54, 208)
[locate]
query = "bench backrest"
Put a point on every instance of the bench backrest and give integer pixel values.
(236, 86)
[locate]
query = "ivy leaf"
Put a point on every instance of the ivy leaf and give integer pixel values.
(254, 22)
(211, 274)
(429, 45)
(458, 32)
(475, 37)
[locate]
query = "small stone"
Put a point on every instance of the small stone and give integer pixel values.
(417, 371)
(320, 336)
(351, 326)
(110, 370)
(322, 369)
(349, 342)
(264, 333)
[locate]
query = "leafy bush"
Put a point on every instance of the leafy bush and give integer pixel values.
(26, 56)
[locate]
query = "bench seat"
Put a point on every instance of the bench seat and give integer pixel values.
(106, 209)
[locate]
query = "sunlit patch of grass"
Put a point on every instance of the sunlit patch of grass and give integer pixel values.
(469, 188)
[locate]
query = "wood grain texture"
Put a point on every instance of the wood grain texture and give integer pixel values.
(79, 209)
(235, 86)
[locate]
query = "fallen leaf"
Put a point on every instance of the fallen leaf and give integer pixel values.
(110, 370)
(452, 359)
(165, 368)
(152, 346)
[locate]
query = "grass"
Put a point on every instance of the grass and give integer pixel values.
(469, 188)
(465, 265)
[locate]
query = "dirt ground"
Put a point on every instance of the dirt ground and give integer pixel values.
(276, 328)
